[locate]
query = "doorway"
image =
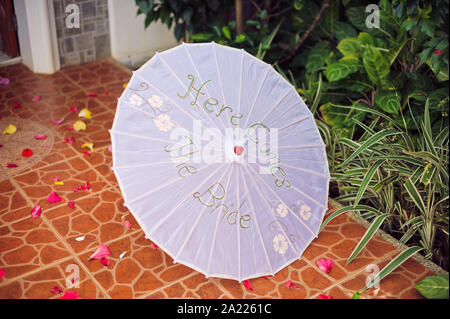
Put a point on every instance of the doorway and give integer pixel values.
(9, 47)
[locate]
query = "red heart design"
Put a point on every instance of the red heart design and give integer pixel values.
(238, 150)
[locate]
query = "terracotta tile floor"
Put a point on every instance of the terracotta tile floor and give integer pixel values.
(37, 254)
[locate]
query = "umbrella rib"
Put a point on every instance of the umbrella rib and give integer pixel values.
(273, 215)
(300, 146)
(140, 136)
(257, 227)
(140, 165)
(169, 98)
(179, 80)
(295, 122)
(256, 96)
(240, 84)
(306, 170)
(218, 73)
(161, 221)
(309, 197)
(238, 234)
(215, 233)
(276, 105)
(200, 77)
(195, 224)
(164, 186)
(282, 201)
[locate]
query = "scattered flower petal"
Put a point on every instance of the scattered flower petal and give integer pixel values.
(11, 129)
(55, 178)
(86, 153)
(101, 252)
(57, 122)
(92, 95)
(36, 99)
(53, 198)
(58, 183)
(88, 145)
(11, 165)
(56, 290)
(81, 238)
(125, 85)
(122, 254)
(85, 113)
(267, 277)
(325, 264)
(69, 295)
(79, 126)
(69, 140)
(4, 81)
(105, 262)
(73, 109)
(248, 285)
(40, 137)
(70, 128)
(2, 273)
(71, 204)
(290, 284)
(154, 246)
(27, 152)
(127, 224)
(18, 106)
(36, 211)
(325, 297)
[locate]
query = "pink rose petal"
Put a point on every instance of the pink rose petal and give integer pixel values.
(11, 165)
(154, 246)
(69, 140)
(36, 99)
(325, 297)
(36, 211)
(57, 122)
(70, 128)
(248, 285)
(18, 106)
(105, 262)
(4, 81)
(267, 277)
(290, 284)
(86, 153)
(55, 179)
(71, 204)
(92, 95)
(56, 290)
(53, 198)
(73, 109)
(69, 295)
(101, 252)
(40, 137)
(2, 273)
(127, 224)
(325, 264)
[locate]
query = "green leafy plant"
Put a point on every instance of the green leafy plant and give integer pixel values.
(434, 287)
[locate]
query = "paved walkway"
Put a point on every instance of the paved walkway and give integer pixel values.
(35, 253)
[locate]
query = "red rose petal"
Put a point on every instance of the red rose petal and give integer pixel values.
(27, 152)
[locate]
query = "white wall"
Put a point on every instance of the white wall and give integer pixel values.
(130, 43)
(35, 35)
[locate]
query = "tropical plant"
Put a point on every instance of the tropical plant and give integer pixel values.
(434, 287)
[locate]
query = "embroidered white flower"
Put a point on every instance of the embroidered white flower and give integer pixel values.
(164, 123)
(155, 101)
(280, 244)
(305, 212)
(282, 210)
(135, 100)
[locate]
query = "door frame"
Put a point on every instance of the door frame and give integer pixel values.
(36, 30)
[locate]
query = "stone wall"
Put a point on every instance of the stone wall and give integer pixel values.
(89, 42)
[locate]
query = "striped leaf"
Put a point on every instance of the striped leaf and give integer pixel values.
(374, 226)
(434, 287)
(367, 178)
(368, 143)
(346, 210)
(397, 261)
(415, 196)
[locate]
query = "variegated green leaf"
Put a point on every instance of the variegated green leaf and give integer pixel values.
(347, 209)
